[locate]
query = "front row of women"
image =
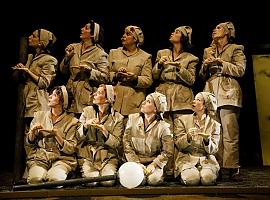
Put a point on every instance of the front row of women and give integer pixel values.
(98, 142)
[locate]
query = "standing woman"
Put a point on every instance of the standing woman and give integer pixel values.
(175, 70)
(39, 72)
(130, 71)
(101, 137)
(197, 138)
(224, 62)
(87, 66)
(147, 139)
(52, 141)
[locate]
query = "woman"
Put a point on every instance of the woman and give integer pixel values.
(52, 141)
(147, 139)
(224, 62)
(175, 70)
(130, 71)
(196, 138)
(101, 137)
(39, 73)
(87, 66)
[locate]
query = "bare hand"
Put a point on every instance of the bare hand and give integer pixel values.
(69, 51)
(162, 60)
(21, 67)
(122, 69)
(89, 122)
(150, 168)
(85, 67)
(46, 133)
(205, 136)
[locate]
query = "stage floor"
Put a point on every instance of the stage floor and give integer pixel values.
(255, 185)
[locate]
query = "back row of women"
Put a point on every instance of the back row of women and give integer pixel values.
(104, 115)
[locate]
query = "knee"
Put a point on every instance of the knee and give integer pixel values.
(36, 174)
(108, 171)
(154, 180)
(34, 180)
(208, 177)
(56, 174)
(190, 177)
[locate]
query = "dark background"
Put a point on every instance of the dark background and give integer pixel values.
(157, 22)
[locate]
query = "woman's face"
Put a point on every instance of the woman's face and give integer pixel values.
(100, 96)
(176, 36)
(33, 39)
(198, 103)
(218, 32)
(148, 106)
(54, 100)
(127, 38)
(85, 32)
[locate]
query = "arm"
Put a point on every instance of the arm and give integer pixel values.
(182, 139)
(236, 67)
(100, 74)
(69, 142)
(129, 151)
(211, 143)
(167, 148)
(115, 137)
(157, 67)
(145, 79)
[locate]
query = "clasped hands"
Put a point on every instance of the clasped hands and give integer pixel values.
(38, 130)
(21, 67)
(193, 133)
(149, 169)
(124, 75)
(95, 123)
(164, 60)
(213, 61)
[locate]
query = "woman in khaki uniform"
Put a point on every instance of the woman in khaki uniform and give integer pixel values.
(101, 137)
(147, 139)
(223, 63)
(39, 72)
(197, 137)
(87, 65)
(52, 141)
(175, 70)
(130, 71)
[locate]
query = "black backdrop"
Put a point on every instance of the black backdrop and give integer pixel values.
(157, 23)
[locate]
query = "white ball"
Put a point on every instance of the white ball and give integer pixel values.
(130, 175)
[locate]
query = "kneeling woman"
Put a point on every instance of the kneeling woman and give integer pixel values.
(52, 141)
(148, 140)
(197, 137)
(100, 136)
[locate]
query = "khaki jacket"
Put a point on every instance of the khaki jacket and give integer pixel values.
(155, 144)
(129, 97)
(46, 151)
(176, 79)
(196, 150)
(93, 145)
(35, 95)
(225, 86)
(81, 83)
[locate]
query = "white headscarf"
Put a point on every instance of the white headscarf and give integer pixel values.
(65, 96)
(46, 37)
(229, 27)
(186, 31)
(137, 33)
